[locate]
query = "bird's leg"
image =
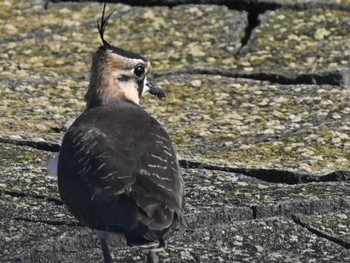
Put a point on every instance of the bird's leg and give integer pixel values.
(105, 249)
(152, 257)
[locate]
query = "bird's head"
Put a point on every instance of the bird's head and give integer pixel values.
(118, 74)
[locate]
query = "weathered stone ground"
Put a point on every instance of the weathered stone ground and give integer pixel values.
(258, 106)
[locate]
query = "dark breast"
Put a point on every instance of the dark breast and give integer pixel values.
(117, 171)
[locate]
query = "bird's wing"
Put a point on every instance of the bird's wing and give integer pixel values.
(126, 171)
(158, 189)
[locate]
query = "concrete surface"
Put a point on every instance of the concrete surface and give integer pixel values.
(258, 106)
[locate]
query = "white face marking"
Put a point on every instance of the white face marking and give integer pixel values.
(126, 78)
(130, 91)
(145, 86)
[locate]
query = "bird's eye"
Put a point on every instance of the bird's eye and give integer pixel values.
(139, 71)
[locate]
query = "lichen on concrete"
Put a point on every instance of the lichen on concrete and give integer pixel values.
(212, 119)
(217, 120)
(24, 171)
(335, 224)
(292, 42)
(240, 122)
(40, 107)
(183, 36)
(277, 241)
(210, 190)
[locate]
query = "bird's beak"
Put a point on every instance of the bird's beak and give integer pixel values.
(152, 88)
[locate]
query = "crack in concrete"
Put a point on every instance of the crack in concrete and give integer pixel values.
(39, 197)
(254, 10)
(50, 222)
(304, 207)
(339, 78)
(219, 216)
(320, 233)
(190, 221)
(299, 5)
(254, 211)
(267, 175)
(237, 214)
(271, 175)
(225, 215)
(41, 145)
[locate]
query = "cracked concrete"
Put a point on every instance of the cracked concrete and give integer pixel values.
(257, 106)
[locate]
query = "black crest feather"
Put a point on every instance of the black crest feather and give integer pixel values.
(101, 26)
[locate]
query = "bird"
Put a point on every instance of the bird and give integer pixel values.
(117, 169)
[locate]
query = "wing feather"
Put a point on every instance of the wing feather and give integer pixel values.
(125, 169)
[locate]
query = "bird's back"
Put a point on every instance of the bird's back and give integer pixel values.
(118, 172)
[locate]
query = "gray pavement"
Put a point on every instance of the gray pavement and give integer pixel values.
(258, 107)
